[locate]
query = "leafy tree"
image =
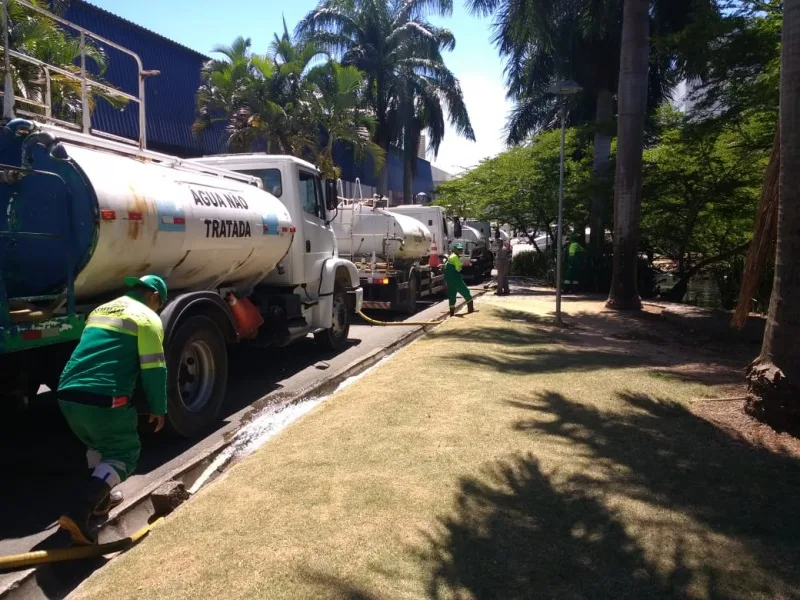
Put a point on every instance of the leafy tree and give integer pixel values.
(700, 190)
(520, 186)
(549, 41)
(400, 53)
(740, 84)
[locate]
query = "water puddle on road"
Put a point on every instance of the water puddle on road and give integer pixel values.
(267, 425)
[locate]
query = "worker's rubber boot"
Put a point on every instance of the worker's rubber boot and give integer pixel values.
(452, 311)
(76, 522)
(114, 499)
(470, 307)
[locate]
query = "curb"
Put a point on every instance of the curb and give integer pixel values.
(137, 511)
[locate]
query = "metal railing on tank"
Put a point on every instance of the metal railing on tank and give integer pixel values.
(88, 85)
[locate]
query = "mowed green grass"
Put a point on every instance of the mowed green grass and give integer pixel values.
(498, 457)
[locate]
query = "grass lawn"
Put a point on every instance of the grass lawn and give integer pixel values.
(499, 457)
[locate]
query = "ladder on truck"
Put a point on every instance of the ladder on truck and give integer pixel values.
(85, 134)
(41, 320)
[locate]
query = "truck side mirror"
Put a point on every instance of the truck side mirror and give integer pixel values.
(331, 195)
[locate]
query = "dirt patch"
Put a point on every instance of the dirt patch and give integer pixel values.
(729, 415)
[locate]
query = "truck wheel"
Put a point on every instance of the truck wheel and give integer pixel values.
(197, 374)
(335, 337)
(410, 305)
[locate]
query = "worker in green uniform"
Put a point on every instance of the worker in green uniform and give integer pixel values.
(122, 342)
(454, 280)
(575, 262)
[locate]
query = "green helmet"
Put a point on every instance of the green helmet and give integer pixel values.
(458, 246)
(153, 282)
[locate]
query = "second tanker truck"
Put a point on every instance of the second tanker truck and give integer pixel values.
(393, 255)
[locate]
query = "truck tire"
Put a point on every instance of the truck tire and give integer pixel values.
(410, 305)
(335, 337)
(197, 374)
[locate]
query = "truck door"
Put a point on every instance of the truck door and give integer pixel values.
(317, 235)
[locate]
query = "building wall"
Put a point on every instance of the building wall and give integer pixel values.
(170, 99)
(170, 96)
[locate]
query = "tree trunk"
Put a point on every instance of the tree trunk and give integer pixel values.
(764, 235)
(632, 95)
(774, 377)
(601, 163)
(408, 181)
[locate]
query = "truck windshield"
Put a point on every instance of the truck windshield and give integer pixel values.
(271, 178)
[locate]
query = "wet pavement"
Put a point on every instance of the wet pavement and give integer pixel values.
(42, 464)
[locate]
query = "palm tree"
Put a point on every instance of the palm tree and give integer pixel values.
(422, 105)
(336, 101)
(262, 99)
(580, 40)
(293, 100)
(400, 54)
(630, 144)
(774, 377)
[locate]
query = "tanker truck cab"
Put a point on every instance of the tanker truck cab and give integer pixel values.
(311, 281)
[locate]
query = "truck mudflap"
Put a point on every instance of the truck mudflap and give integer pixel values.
(358, 299)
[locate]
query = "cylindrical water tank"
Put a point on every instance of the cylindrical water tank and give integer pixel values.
(120, 215)
(361, 230)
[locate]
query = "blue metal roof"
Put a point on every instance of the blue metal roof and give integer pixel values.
(365, 170)
(170, 96)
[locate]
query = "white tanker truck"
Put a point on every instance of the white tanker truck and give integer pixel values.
(80, 210)
(77, 214)
(391, 252)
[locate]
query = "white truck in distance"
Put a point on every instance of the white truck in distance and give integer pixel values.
(391, 252)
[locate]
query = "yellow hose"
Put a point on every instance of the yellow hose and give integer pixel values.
(40, 557)
(397, 324)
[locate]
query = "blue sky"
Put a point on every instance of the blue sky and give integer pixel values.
(202, 24)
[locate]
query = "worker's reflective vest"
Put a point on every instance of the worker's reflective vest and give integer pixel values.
(453, 262)
(122, 339)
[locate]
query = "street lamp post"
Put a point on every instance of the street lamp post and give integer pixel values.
(563, 89)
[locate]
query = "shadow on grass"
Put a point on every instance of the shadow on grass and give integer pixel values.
(590, 341)
(660, 454)
(513, 535)
(718, 514)
(335, 587)
(550, 361)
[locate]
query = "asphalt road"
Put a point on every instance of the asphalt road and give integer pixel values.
(42, 465)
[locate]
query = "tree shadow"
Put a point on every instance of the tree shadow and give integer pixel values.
(656, 452)
(337, 588)
(552, 361)
(534, 343)
(514, 535)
